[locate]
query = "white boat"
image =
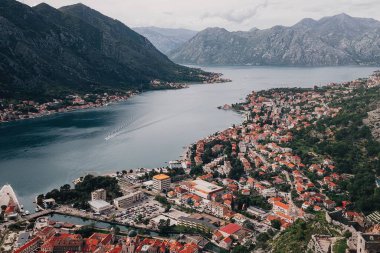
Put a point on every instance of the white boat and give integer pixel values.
(8, 196)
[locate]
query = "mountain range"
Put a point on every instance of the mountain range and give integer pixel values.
(45, 52)
(166, 39)
(330, 41)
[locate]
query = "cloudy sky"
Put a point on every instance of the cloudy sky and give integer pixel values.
(230, 14)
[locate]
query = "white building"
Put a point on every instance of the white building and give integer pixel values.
(128, 200)
(100, 206)
(99, 194)
(204, 189)
(270, 192)
(161, 182)
(175, 164)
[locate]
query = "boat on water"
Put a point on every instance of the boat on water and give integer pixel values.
(78, 180)
(8, 197)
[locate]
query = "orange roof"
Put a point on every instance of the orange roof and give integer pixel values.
(230, 228)
(227, 240)
(189, 248)
(228, 202)
(272, 217)
(161, 177)
(282, 215)
(218, 234)
(282, 205)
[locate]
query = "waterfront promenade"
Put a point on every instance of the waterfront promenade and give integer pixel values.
(66, 210)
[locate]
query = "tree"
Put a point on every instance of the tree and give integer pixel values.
(276, 224)
(237, 170)
(196, 170)
(167, 208)
(40, 199)
(65, 187)
(164, 226)
(86, 231)
(240, 249)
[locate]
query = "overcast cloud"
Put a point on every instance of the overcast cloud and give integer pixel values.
(230, 14)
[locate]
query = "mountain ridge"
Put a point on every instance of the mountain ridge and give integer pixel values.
(47, 52)
(166, 39)
(329, 41)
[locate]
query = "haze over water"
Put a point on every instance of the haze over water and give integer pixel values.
(150, 129)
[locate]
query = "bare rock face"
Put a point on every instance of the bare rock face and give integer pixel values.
(330, 41)
(45, 51)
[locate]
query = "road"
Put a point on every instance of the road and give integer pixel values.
(26, 218)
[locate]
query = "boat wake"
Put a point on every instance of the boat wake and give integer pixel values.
(121, 129)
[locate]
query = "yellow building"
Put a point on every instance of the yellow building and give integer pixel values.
(161, 182)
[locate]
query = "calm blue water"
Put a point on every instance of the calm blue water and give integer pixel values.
(40, 154)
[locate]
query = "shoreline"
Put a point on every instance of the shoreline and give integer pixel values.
(123, 98)
(261, 99)
(62, 112)
(69, 110)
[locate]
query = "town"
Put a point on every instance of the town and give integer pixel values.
(28, 109)
(236, 190)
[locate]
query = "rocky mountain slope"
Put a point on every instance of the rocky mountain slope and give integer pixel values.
(45, 52)
(330, 41)
(166, 39)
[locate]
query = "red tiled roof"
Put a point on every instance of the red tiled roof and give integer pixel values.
(26, 245)
(227, 240)
(230, 228)
(282, 205)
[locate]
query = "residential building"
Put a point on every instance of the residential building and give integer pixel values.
(279, 206)
(128, 200)
(368, 243)
(329, 204)
(161, 182)
(175, 164)
(204, 189)
(257, 212)
(99, 194)
(226, 243)
(230, 229)
(62, 243)
(201, 224)
(30, 246)
(217, 209)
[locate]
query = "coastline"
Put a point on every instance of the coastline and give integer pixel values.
(261, 99)
(79, 104)
(62, 112)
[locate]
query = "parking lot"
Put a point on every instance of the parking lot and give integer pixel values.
(146, 209)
